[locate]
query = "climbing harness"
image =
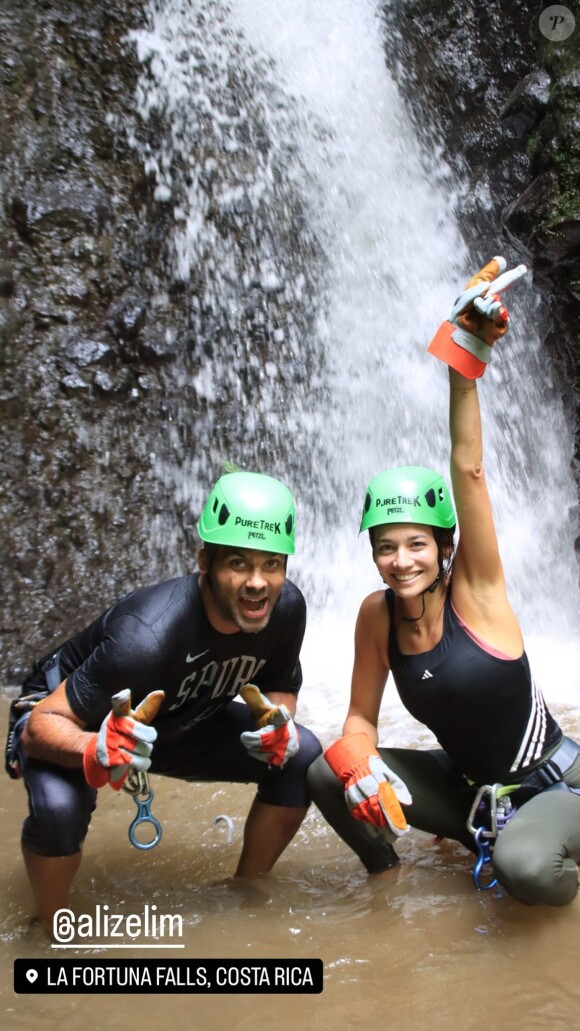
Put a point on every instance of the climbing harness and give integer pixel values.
(493, 804)
(493, 801)
(137, 785)
(21, 707)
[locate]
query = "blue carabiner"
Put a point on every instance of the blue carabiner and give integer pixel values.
(484, 856)
(144, 815)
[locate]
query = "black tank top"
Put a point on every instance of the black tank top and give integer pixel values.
(485, 711)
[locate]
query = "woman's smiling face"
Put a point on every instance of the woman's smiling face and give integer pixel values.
(407, 557)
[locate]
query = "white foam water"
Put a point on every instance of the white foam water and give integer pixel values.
(383, 214)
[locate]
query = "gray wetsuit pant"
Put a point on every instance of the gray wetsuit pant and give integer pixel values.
(534, 857)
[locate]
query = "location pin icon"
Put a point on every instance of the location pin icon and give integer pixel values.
(31, 975)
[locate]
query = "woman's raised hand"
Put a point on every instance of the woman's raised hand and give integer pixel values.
(478, 318)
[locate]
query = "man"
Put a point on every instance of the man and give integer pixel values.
(185, 649)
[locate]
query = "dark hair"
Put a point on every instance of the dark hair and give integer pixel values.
(211, 551)
(444, 538)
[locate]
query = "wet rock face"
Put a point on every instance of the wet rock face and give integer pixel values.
(506, 104)
(106, 342)
(102, 340)
(66, 215)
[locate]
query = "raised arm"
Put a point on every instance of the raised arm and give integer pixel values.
(465, 343)
(478, 559)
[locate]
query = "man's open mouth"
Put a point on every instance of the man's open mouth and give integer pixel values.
(254, 608)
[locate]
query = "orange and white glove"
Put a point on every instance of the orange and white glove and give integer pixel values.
(124, 740)
(477, 320)
(373, 793)
(275, 739)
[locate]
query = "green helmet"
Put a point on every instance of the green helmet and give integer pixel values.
(249, 510)
(408, 494)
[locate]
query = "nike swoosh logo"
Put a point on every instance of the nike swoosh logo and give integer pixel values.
(192, 658)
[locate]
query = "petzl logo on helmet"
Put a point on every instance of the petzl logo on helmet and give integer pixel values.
(249, 510)
(408, 494)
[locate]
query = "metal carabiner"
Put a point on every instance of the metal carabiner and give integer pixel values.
(137, 785)
(501, 810)
(143, 797)
(485, 789)
(222, 818)
(483, 837)
(483, 857)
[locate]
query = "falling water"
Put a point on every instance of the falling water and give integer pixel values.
(384, 259)
(320, 250)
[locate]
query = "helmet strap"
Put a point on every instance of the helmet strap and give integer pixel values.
(428, 590)
(415, 619)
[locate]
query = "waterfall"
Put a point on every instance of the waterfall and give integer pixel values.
(381, 267)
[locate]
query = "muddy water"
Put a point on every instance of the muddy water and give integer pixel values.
(420, 947)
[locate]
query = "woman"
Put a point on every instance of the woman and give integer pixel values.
(445, 629)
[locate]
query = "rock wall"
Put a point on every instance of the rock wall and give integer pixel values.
(102, 343)
(72, 271)
(504, 102)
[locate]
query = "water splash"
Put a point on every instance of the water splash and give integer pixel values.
(224, 161)
(388, 257)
